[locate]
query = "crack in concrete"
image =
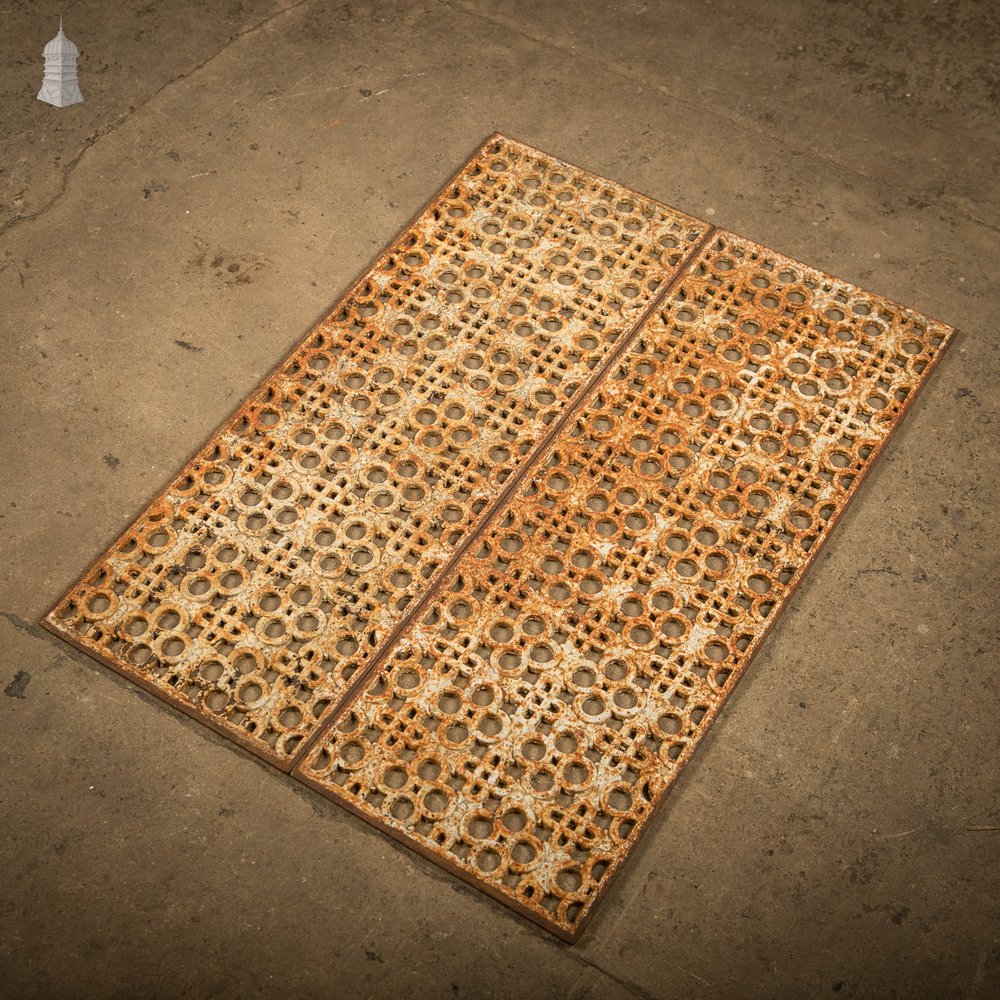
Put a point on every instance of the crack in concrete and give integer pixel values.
(702, 108)
(108, 129)
(459, 8)
(632, 988)
(29, 628)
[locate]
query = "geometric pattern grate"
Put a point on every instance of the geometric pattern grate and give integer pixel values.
(484, 557)
(528, 724)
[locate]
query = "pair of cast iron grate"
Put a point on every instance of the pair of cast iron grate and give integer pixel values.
(484, 556)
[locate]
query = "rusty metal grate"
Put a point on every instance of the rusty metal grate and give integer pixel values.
(529, 723)
(485, 556)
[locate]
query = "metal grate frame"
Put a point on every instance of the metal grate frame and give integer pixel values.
(484, 557)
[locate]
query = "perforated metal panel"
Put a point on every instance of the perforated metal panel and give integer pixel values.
(529, 723)
(485, 555)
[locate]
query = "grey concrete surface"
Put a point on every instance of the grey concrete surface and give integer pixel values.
(233, 167)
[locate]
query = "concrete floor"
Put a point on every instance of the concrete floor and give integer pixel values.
(233, 167)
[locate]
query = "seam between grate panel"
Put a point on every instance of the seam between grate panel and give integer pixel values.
(420, 605)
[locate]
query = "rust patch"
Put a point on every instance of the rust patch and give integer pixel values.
(527, 725)
(272, 571)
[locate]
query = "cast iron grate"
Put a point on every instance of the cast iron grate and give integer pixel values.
(529, 723)
(485, 556)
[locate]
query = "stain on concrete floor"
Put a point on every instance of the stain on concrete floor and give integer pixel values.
(17, 687)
